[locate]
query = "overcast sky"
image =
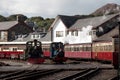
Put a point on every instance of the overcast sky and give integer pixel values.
(51, 8)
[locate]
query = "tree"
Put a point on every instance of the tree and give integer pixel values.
(2, 18)
(14, 17)
(41, 22)
(36, 19)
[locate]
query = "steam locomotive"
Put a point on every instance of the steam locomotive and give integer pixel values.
(57, 52)
(33, 52)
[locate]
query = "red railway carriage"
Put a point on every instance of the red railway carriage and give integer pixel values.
(11, 51)
(46, 50)
(102, 51)
(81, 51)
(11, 54)
(116, 44)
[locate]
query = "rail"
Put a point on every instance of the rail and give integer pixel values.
(30, 74)
(82, 75)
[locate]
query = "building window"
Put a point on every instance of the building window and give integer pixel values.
(59, 33)
(38, 36)
(35, 36)
(93, 32)
(67, 32)
(3, 35)
(72, 33)
(76, 33)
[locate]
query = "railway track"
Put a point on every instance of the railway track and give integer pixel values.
(82, 75)
(114, 78)
(29, 74)
(17, 72)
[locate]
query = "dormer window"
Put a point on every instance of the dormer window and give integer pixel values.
(35, 36)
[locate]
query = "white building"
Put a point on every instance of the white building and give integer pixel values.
(73, 30)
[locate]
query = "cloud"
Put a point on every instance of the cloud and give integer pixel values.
(50, 8)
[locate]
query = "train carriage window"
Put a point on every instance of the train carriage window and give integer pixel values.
(68, 48)
(80, 48)
(14, 49)
(101, 49)
(98, 48)
(89, 48)
(84, 48)
(110, 48)
(20, 48)
(4, 49)
(95, 48)
(105, 48)
(72, 48)
(77, 49)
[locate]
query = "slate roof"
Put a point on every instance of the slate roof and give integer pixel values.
(68, 20)
(94, 21)
(48, 37)
(7, 25)
(108, 36)
(26, 38)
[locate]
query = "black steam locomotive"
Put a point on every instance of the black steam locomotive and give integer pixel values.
(33, 52)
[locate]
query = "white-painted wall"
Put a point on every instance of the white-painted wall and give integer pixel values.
(83, 36)
(78, 39)
(59, 26)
